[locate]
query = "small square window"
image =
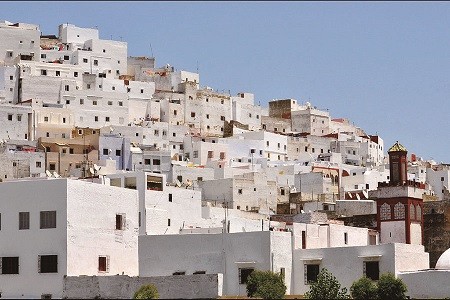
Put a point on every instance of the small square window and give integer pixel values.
(110, 103)
(66, 57)
(311, 273)
(48, 263)
(244, 273)
(96, 118)
(85, 60)
(106, 119)
(118, 152)
(24, 220)
(120, 221)
(168, 222)
(120, 103)
(95, 62)
(10, 265)
(43, 72)
(48, 219)
(10, 117)
(75, 74)
(81, 101)
(103, 264)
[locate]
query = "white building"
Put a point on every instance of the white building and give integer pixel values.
(55, 227)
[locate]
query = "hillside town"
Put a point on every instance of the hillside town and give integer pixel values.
(117, 172)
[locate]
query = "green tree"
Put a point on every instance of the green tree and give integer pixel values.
(390, 287)
(147, 291)
(364, 288)
(265, 285)
(326, 287)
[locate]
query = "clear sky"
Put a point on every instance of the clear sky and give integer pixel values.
(385, 66)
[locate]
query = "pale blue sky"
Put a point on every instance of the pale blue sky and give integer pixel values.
(383, 65)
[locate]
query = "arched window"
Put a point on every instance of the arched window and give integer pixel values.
(412, 212)
(399, 211)
(385, 212)
(419, 213)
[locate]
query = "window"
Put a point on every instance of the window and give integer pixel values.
(222, 155)
(399, 211)
(103, 264)
(168, 222)
(303, 239)
(94, 102)
(156, 162)
(243, 274)
(311, 272)
(419, 213)
(222, 118)
(142, 91)
(412, 211)
(346, 238)
(85, 60)
(81, 101)
(58, 73)
(105, 151)
(199, 272)
(283, 273)
(110, 103)
(120, 103)
(170, 197)
(120, 221)
(38, 164)
(75, 74)
(106, 119)
(43, 55)
(385, 212)
(48, 219)
(48, 263)
(118, 152)
(195, 154)
(24, 220)
(113, 88)
(282, 192)
(66, 88)
(210, 154)
(372, 269)
(44, 72)
(10, 117)
(179, 273)
(52, 166)
(174, 112)
(207, 116)
(192, 114)
(240, 191)
(95, 62)
(19, 118)
(96, 118)
(10, 265)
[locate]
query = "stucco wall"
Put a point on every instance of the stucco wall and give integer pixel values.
(199, 286)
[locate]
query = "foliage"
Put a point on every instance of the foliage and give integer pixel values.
(147, 291)
(364, 288)
(265, 285)
(390, 287)
(326, 287)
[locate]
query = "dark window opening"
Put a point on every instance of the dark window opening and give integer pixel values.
(48, 263)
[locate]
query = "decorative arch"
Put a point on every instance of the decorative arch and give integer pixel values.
(385, 211)
(412, 212)
(419, 213)
(399, 211)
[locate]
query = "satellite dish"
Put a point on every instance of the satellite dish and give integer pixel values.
(188, 182)
(350, 195)
(91, 170)
(48, 173)
(111, 129)
(109, 151)
(357, 196)
(56, 175)
(178, 183)
(302, 211)
(97, 168)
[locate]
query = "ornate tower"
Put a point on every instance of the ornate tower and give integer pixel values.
(398, 164)
(399, 203)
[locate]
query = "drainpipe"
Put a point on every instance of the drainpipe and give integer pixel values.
(45, 149)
